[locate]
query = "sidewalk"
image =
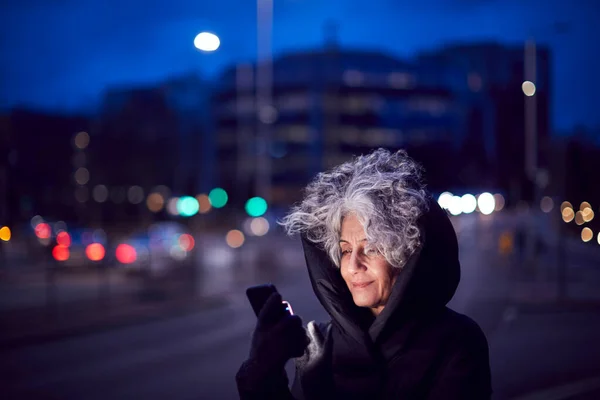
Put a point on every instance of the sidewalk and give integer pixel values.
(546, 343)
(546, 354)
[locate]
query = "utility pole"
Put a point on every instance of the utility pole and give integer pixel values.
(265, 112)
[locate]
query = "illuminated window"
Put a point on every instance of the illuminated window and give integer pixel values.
(380, 137)
(355, 105)
(353, 77)
(293, 102)
(294, 133)
(400, 80)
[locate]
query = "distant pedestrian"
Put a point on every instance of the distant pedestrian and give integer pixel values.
(382, 257)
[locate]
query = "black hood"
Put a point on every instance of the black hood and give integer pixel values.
(426, 284)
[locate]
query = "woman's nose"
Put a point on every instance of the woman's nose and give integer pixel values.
(355, 264)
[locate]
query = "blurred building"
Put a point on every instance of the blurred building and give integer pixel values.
(38, 165)
(149, 137)
(487, 79)
(329, 105)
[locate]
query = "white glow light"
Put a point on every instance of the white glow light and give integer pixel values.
(486, 203)
(207, 41)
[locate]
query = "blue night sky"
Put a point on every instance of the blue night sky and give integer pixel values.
(61, 54)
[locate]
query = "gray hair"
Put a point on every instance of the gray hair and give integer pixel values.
(384, 190)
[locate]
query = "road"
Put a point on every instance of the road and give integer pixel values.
(196, 356)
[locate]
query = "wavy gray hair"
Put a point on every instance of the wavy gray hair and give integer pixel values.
(384, 190)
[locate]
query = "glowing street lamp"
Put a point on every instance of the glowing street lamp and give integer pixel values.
(207, 41)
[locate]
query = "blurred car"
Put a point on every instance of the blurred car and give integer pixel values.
(154, 250)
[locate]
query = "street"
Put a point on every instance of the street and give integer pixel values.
(195, 356)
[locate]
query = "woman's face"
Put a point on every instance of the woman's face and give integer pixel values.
(368, 275)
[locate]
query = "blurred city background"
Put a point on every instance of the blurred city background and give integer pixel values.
(148, 149)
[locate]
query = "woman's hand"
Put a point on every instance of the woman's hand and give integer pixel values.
(276, 339)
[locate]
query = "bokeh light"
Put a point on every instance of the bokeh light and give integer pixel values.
(547, 204)
(468, 203)
(203, 203)
(5, 233)
(256, 206)
(218, 197)
(259, 226)
(565, 204)
(587, 234)
(35, 221)
(126, 254)
(207, 41)
(579, 218)
(235, 238)
(187, 206)
(568, 214)
(445, 199)
(155, 202)
(60, 253)
(100, 193)
(135, 194)
(528, 88)
(588, 214)
(486, 203)
(172, 206)
(187, 242)
(99, 236)
(82, 176)
(95, 252)
(82, 140)
(455, 207)
(499, 199)
(42, 230)
(584, 205)
(60, 226)
(177, 253)
(63, 239)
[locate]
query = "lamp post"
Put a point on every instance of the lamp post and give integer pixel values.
(266, 113)
(532, 169)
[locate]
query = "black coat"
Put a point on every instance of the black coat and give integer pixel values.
(417, 348)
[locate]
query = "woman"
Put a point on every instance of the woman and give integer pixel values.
(383, 261)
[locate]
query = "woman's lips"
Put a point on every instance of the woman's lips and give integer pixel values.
(360, 285)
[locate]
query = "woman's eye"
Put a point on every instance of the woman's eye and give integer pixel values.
(371, 252)
(345, 251)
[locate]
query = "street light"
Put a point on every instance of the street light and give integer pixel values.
(206, 41)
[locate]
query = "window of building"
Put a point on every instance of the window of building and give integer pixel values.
(355, 105)
(380, 137)
(293, 102)
(432, 106)
(298, 134)
(474, 82)
(353, 77)
(349, 135)
(401, 80)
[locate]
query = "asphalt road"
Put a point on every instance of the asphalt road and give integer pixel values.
(196, 356)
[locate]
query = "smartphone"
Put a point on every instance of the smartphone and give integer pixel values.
(258, 296)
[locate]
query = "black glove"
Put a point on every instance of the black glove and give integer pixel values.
(277, 338)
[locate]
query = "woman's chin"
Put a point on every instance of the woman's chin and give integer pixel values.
(364, 301)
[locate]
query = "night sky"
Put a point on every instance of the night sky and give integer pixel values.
(61, 54)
